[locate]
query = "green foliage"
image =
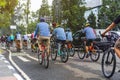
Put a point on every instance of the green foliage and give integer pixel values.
(6, 10)
(73, 13)
(92, 20)
(108, 12)
(44, 10)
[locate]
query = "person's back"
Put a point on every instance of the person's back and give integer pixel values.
(43, 29)
(25, 37)
(59, 33)
(11, 37)
(89, 32)
(18, 36)
(69, 35)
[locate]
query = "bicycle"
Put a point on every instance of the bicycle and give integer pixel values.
(63, 53)
(93, 51)
(18, 45)
(71, 49)
(25, 44)
(108, 63)
(34, 45)
(43, 56)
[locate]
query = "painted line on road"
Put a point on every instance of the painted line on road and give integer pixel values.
(23, 59)
(18, 68)
(32, 57)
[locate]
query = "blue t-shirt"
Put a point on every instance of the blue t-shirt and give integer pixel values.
(89, 32)
(59, 33)
(69, 36)
(43, 28)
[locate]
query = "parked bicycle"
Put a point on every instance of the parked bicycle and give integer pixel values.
(43, 57)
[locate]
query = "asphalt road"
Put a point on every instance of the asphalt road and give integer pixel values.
(74, 69)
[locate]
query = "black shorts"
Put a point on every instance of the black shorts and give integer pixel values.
(89, 41)
(60, 41)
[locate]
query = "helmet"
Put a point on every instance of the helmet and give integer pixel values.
(42, 19)
(87, 24)
(67, 29)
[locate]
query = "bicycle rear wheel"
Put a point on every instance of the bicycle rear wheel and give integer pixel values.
(95, 54)
(81, 53)
(64, 55)
(40, 59)
(53, 52)
(46, 59)
(108, 63)
(71, 51)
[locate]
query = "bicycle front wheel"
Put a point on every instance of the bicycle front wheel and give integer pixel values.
(108, 63)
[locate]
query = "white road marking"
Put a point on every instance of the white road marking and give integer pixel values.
(18, 76)
(23, 59)
(32, 58)
(20, 70)
(10, 67)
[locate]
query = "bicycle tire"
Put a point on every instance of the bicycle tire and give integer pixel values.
(81, 53)
(46, 59)
(95, 56)
(71, 51)
(64, 55)
(40, 59)
(113, 59)
(53, 53)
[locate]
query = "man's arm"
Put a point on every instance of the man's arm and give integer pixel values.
(112, 25)
(36, 31)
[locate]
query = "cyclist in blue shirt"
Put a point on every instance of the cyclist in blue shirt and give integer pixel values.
(44, 33)
(60, 36)
(90, 36)
(69, 35)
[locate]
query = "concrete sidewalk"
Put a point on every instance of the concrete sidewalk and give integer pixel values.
(7, 71)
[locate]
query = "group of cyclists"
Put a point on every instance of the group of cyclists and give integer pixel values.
(19, 40)
(61, 35)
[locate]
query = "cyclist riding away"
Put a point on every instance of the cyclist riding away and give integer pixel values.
(44, 33)
(60, 36)
(25, 39)
(111, 26)
(69, 37)
(90, 37)
(18, 41)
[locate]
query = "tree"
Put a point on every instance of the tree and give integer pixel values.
(92, 20)
(109, 10)
(6, 10)
(73, 12)
(44, 10)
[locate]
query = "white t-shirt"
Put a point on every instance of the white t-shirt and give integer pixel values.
(18, 37)
(25, 37)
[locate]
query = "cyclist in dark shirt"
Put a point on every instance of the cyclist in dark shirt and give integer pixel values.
(117, 44)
